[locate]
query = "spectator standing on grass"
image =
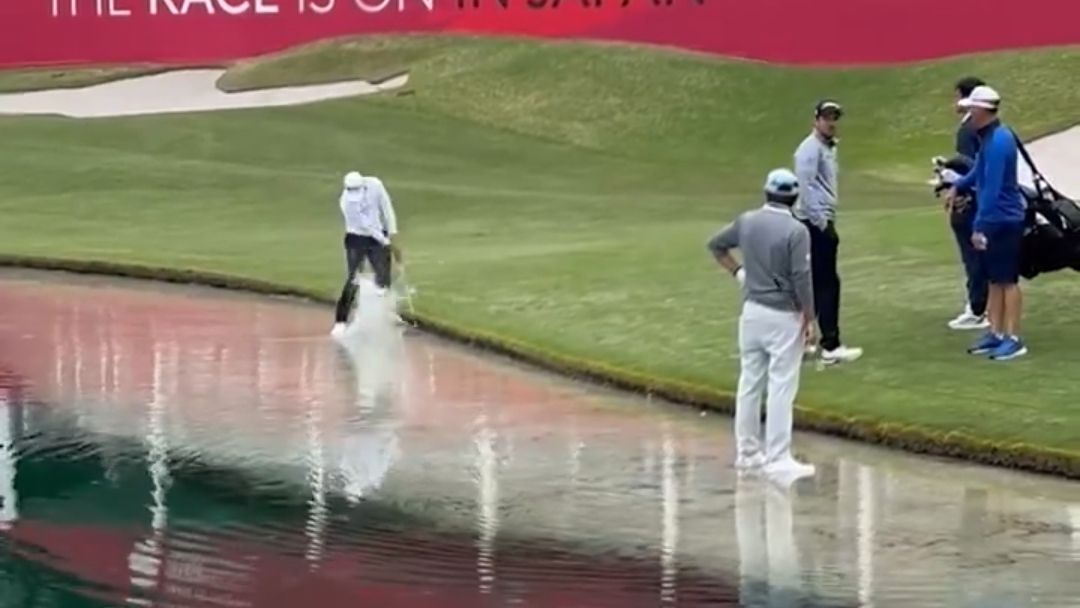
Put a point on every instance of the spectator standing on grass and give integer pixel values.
(817, 169)
(776, 321)
(998, 226)
(962, 218)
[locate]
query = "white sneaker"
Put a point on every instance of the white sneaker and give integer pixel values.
(969, 320)
(841, 354)
(788, 470)
(338, 330)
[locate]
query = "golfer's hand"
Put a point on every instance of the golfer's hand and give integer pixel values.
(740, 276)
(979, 241)
(809, 331)
(950, 198)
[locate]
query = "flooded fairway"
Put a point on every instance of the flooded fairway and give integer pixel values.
(172, 446)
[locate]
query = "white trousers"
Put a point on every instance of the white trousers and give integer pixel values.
(771, 350)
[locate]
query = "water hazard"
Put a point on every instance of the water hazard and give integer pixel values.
(168, 446)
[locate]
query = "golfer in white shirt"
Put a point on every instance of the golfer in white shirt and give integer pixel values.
(777, 321)
(370, 227)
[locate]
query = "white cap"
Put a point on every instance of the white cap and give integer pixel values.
(981, 97)
(353, 179)
(782, 182)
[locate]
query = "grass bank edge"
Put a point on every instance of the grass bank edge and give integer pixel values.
(961, 446)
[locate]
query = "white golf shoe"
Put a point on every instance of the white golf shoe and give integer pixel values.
(841, 354)
(338, 330)
(788, 470)
(750, 462)
(969, 320)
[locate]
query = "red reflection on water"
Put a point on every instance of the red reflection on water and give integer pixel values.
(247, 574)
(241, 369)
(126, 346)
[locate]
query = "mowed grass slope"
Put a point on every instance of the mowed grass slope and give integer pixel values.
(561, 195)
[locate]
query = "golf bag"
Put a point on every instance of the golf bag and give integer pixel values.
(1052, 233)
(1052, 221)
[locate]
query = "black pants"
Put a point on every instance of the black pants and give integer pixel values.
(357, 248)
(977, 284)
(824, 245)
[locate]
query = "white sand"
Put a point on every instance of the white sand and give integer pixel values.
(1057, 157)
(179, 91)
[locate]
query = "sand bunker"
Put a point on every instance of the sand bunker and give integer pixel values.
(1057, 157)
(179, 91)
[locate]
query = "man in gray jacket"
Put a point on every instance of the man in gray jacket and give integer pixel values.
(777, 318)
(817, 168)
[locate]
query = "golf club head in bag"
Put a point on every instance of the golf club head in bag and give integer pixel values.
(947, 172)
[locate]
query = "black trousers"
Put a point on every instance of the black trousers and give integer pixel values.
(357, 249)
(824, 245)
(978, 286)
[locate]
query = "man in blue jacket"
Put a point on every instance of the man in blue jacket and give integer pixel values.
(998, 227)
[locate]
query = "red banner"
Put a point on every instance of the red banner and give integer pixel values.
(44, 32)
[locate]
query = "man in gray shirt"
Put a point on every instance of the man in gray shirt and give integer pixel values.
(776, 321)
(816, 167)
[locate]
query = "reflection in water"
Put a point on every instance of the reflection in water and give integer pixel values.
(1074, 522)
(375, 360)
(487, 504)
(770, 574)
(222, 451)
(670, 538)
(9, 427)
(866, 525)
(316, 520)
(146, 555)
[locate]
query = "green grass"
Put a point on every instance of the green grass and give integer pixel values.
(561, 195)
(372, 59)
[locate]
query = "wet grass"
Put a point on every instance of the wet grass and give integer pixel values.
(561, 195)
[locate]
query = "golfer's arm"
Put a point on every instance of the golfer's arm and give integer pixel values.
(967, 182)
(728, 262)
(806, 168)
(389, 217)
(721, 244)
(802, 276)
(993, 177)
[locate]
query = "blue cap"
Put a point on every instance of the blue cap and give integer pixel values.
(782, 182)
